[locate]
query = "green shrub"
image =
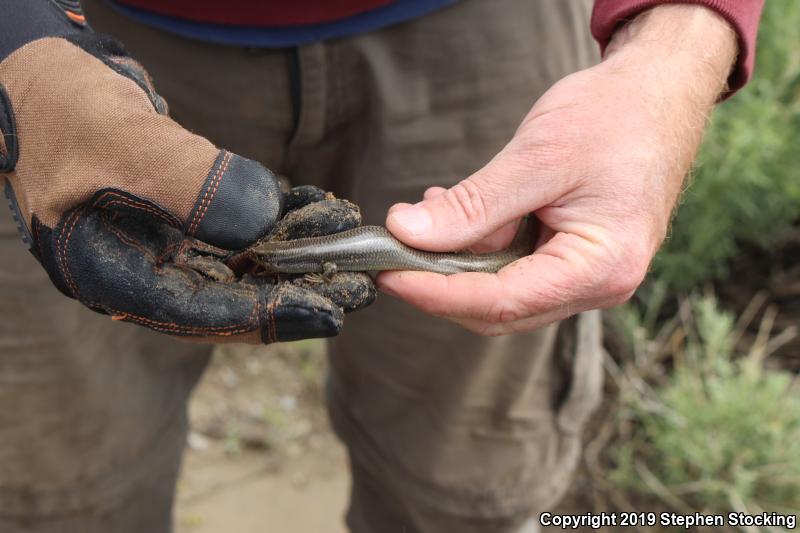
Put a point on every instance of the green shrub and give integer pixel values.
(721, 433)
(746, 187)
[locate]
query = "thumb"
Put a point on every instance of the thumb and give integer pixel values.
(501, 192)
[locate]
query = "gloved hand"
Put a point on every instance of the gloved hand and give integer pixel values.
(133, 215)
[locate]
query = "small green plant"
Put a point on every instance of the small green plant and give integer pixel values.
(720, 432)
(232, 443)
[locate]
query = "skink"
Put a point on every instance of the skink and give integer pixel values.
(370, 248)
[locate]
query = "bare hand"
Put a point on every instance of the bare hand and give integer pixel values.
(599, 160)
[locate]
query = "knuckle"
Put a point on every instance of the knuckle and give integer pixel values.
(468, 199)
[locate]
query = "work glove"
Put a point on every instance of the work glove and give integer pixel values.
(135, 216)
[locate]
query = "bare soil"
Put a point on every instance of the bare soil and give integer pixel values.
(261, 456)
(255, 491)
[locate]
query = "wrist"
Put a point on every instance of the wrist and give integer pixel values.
(685, 48)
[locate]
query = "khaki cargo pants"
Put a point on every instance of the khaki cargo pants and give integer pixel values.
(447, 432)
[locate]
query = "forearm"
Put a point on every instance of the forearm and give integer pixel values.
(676, 60)
(685, 49)
(742, 16)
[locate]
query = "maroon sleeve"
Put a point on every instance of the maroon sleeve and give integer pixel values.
(743, 15)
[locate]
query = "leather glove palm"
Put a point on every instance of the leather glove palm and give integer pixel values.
(134, 216)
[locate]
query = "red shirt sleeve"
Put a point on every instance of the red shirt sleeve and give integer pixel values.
(743, 15)
(268, 13)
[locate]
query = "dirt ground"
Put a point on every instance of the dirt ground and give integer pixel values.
(253, 492)
(261, 456)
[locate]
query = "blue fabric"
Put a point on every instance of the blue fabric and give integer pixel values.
(282, 37)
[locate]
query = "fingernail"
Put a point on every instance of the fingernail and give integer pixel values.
(416, 220)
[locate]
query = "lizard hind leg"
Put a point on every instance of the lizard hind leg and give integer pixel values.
(329, 270)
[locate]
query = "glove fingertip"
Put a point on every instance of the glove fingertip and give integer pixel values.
(349, 290)
(240, 202)
(302, 195)
(296, 313)
(318, 218)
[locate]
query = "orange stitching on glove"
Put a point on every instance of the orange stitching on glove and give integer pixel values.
(273, 333)
(118, 198)
(80, 19)
(127, 239)
(124, 144)
(224, 331)
(62, 250)
(205, 203)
